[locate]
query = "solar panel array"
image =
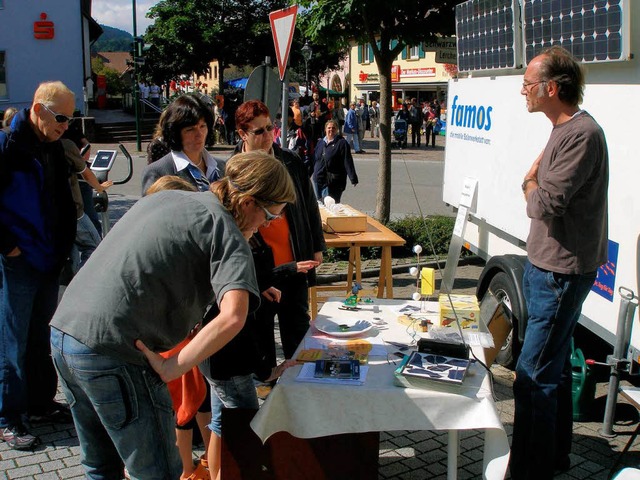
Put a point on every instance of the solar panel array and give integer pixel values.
(592, 30)
(493, 34)
(487, 35)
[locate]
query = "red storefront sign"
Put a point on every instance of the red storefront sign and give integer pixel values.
(395, 73)
(43, 29)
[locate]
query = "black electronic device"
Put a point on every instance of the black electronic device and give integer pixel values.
(103, 160)
(345, 369)
(439, 347)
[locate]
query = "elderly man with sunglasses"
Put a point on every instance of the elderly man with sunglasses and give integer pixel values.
(37, 229)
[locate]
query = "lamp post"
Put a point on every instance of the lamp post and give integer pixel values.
(306, 54)
(135, 79)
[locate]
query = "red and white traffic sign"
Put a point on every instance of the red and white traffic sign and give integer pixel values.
(283, 24)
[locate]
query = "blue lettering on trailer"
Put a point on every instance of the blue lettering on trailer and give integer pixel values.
(606, 279)
(470, 116)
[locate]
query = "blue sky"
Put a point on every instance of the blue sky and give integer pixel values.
(119, 13)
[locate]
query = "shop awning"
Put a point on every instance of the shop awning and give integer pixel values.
(237, 83)
(332, 93)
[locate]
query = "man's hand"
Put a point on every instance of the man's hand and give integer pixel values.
(317, 256)
(16, 252)
(272, 294)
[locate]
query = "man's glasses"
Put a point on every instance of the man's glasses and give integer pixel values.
(528, 86)
(260, 131)
(270, 216)
(60, 118)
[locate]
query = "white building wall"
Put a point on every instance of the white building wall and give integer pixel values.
(30, 61)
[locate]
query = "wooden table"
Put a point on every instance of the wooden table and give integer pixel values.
(377, 235)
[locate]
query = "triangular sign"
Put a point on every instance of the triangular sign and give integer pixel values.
(283, 24)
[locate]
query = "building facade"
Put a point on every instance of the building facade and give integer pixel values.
(42, 41)
(415, 74)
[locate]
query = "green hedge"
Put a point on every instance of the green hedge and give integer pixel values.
(416, 231)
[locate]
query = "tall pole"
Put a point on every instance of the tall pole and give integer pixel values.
(135, 78)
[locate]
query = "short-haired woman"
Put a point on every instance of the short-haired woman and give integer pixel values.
(333, 164)
(173, 257)
(186, 125)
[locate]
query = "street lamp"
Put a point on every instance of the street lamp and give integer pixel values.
(306, 54)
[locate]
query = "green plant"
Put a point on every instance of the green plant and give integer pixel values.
(423, 231)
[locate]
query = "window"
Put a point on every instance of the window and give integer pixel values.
(414, 52)
(3, 74)
(366, 58)
(215, 71)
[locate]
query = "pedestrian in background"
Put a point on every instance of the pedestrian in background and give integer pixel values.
(566, 194)
(351, 126)
(333, 164)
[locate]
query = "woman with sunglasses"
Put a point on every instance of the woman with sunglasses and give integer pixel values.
(293, 244)
(174, 258)
(185, 126)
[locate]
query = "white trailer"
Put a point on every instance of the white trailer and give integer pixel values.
(492, 138)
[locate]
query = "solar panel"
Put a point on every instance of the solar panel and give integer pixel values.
(494, 34)
(488, 35)
(592, 30)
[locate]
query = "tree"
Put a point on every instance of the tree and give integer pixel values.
(389, 27)
(187, 34)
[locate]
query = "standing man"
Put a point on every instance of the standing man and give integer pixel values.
(415, 119)
(351, 128)
(37, 230)
(566, 195)
(374, 115)
(317, 115)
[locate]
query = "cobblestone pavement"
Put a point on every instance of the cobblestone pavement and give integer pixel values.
(404, 455)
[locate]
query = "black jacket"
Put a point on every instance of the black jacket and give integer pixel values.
(334, 158)
(305, 224)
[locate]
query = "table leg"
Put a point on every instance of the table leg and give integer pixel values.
(358, 260)
(313, 302)
(352, 254)
(452, 455)
(385, 280)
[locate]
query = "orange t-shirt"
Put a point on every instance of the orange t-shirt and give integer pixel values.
(276, 235)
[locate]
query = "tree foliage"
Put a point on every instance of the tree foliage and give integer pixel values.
(389, 27)
(188, 34)
(112, 40)
(115, 85)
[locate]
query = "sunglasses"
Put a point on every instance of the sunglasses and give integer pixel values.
(260, 131)
(60, 118)
(270, 216)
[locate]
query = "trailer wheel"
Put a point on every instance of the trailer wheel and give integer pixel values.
(503, 289)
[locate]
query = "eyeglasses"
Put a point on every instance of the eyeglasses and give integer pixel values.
(260, 131)
(270, 216)
(528, 86)
(60, 118)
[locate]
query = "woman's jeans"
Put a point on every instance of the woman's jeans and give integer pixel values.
(543, 422)
(122, 413)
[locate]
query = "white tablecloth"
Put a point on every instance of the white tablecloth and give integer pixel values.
(307, 410)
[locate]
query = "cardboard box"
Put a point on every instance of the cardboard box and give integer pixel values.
(347, 219)
(466, 308)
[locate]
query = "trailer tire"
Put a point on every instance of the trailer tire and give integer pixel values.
(502, 287)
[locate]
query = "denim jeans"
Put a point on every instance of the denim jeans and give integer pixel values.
(237, 392)
(353, 138)
(28, 299)
(122, 413)
(543, 420)
(89, 209)
(87, 240)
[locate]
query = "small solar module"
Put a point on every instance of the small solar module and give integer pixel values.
(499, 33)
(488, 34)
(592, 30)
